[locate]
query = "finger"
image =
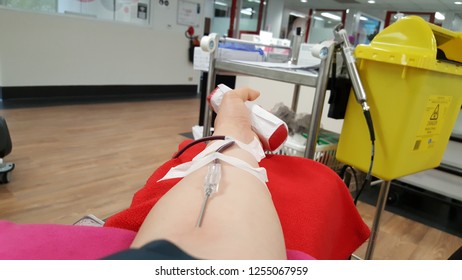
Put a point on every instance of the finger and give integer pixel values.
(247, 94)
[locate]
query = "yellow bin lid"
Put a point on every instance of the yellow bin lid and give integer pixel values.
(411, 41)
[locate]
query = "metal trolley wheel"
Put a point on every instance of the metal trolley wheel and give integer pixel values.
(5, 172)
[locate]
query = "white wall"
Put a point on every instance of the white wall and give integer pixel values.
(273, 21)
(1, 78)
(209, 10)
(457, 23)
(458, 126)
(47, 49)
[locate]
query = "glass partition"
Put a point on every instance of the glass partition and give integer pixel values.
(366, 28)
(32, 5)
(393, 16)
(222, 16)
(233, 17)
(250, 16)
(322, 24)
(131, 11)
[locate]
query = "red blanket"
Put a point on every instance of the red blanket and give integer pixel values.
(316, 210)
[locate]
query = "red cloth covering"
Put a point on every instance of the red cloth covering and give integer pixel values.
(315, 208)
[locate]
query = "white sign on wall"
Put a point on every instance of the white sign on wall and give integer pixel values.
(189, 13)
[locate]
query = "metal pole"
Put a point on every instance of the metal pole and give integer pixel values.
(295, 97)
(237, 28)
(210, 86)
(381, 201)
(318, 103)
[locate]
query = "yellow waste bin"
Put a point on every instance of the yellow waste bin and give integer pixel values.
(412, 75)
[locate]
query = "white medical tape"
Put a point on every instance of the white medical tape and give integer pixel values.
(254, 148)
(187, 168)
(209, 43)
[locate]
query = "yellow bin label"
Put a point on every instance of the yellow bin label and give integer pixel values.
(432, 121)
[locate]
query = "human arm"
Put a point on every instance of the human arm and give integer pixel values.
(240, 221)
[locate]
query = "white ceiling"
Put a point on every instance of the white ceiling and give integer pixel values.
(386, 5)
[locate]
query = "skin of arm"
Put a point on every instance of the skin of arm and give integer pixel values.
(240, 221)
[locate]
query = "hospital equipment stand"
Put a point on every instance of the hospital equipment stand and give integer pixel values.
(380, 207)
(360, 95)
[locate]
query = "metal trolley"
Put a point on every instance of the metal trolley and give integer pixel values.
(326, 52)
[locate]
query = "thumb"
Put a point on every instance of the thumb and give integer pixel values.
(247, 94)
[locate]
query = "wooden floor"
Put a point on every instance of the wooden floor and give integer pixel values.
(73, 160)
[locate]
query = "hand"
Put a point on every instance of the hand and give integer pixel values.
(233, 119)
